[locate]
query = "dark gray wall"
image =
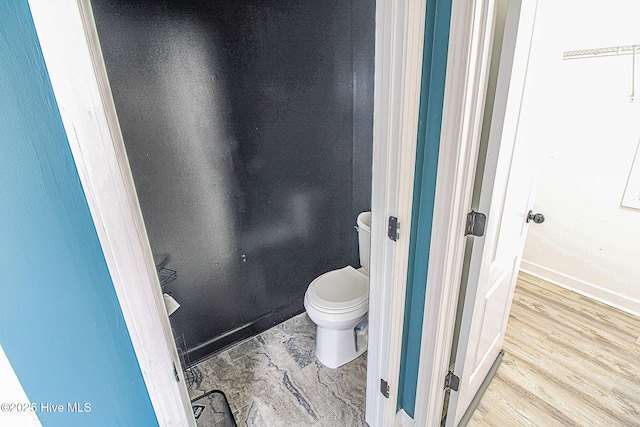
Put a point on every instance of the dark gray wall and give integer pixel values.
(248, 126)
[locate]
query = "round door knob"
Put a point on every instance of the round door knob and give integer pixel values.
(538, 218)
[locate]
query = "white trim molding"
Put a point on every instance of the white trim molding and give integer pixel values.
(471, 35)
(398, 75)
(582, 287)
(69, 42)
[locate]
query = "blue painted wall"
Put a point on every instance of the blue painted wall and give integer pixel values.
(436, 39)
(60, 322)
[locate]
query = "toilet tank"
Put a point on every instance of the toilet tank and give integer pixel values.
(364, 239)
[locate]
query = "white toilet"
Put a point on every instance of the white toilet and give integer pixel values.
(338, 301)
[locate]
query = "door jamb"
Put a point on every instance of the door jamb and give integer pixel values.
(465, 88)
(69, 42)
(398, 75)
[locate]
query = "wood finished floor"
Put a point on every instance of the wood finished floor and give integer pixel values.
(569, 361)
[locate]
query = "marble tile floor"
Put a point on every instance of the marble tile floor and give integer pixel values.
(274, 379)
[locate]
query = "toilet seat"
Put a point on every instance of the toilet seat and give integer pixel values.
(338, 301)
(339, 291)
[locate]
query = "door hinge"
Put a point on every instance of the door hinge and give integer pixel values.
(475, 224)
(394, 226)
(384, 388)
(452, 381)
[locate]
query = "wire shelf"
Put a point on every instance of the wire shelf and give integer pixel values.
(602, 51)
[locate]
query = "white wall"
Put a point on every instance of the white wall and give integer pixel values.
(12, 393)
(579, 112)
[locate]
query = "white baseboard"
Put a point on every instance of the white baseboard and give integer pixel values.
(595, 292)
(403, 419)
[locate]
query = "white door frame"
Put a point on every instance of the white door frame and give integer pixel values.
(69, 42)
(398, 79)
(471, 35)
(398, 75)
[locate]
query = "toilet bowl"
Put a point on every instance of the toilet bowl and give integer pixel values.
(338, 301)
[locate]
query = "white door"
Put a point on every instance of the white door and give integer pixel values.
(505, 198)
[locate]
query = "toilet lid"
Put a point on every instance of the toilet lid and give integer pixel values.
(338, 290)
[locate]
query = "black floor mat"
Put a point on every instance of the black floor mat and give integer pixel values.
(212, 410)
